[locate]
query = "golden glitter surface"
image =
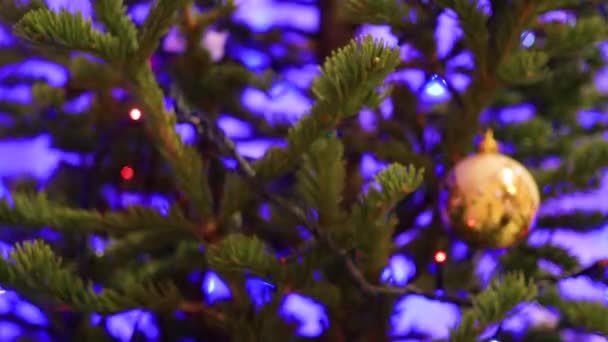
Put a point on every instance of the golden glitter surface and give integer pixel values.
(489, 200)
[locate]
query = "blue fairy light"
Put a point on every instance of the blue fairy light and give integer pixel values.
(436, 86)
(528, 39)
(214, 288)
(259, 290)
(399, 271)
(9, 331)
(30, 313)
(309, 315)
(435, 90)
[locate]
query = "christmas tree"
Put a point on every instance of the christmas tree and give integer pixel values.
(213, 185)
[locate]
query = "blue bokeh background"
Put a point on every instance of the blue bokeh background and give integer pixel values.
(286, 101)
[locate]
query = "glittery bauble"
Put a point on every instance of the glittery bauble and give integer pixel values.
(489, 200)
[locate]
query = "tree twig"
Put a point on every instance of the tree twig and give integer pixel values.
(211, 133)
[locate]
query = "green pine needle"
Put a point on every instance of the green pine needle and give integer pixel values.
(591, 316)
(321, 180)
(239, 253)
(112, 13)
(35, 267)
(372, 224)
(348, 82)
(493, 305)
(37, 212)
(525, 67)
(68, 31)
(563, 39)
(350, 76)
(395, 182)
(380, 12)
(157, 23)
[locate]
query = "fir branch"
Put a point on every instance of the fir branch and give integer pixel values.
(591, 316)
(112, 13)
(573, 273)
(580, 164)
(242, 253)
(380, 12)
(34, 267)
(137, 243)
(373, 227)
(36, 211)
(350, 76)
(321, 180)
(157, 23)
(492, 305)
(506, 25)
(188, 256)
(215, 135)
(348, 81)
(185, 162)
(525, 67)
(566, 40)
(394, 183)
(71, 32)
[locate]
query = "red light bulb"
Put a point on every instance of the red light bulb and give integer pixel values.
(135, 114)
(441, 257)
(127, 173)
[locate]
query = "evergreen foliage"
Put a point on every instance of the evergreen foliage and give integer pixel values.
(328, 235)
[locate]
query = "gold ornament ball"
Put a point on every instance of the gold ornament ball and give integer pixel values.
(489, 200)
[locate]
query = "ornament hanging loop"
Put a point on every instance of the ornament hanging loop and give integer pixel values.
(488, 144)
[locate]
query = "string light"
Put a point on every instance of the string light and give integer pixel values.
(435, 90)
(135, 114)
(441, 257)
(527, 39)
(127, 173)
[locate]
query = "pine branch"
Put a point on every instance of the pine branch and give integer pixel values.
(525, 67)
(394, 182)
(379, 12)
(566, 40)
(70, 32)
(591, 316)
(36, 211)
(157, 23)
(579, 165)
(34, 267)
(581, 271)
(185, 162)
(348, 81)
(321, 180)
(508, 293)
(112, 13)
(73, 32)
(492, 305)
(241, 253)
(373, 226)
(188, 256)
(215, 135)
(134, 244)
